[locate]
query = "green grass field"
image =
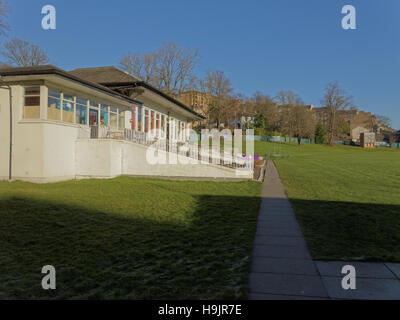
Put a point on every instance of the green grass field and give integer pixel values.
(127, 238)
(347, 199)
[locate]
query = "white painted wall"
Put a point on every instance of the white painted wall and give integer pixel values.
(111, 158)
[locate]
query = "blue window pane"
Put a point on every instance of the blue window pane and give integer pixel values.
(81, 114)
(81, 101)
(68, 106)
(93, 117)
(54, 103)
(68, 97)
(104, 115)
(54, 94)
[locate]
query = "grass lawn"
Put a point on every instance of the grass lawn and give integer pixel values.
(127, 238)
(347, 199)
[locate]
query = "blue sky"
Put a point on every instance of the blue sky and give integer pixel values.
(261, 45)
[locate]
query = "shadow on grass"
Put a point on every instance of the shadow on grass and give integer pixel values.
(350, 231)
(103, 256)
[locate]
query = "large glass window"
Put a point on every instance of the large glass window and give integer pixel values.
(54, 105)
(139, 119)
(158, 117)
(32, 103)
(93, 114)
(146, 120)
(81, 111)
(121, 119)
(133, 119)
(104, 114)
(114, 118)
(68, 108)
(163, 124)
(152, 120)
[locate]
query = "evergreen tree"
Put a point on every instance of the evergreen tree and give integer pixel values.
(320, 134)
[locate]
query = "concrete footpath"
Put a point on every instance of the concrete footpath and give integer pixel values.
(282, 268)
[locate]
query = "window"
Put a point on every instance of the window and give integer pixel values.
(139, 119)
(121, 119)
(158, 116)
(54, 105)
(32, 103)
(114, 118)
(163, 133)
(68, 108)
(152, 120)
(146, 120)
(133, 119)
(93, 114)
(81, 111)
(104, 114)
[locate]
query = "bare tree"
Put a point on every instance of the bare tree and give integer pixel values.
(142, 66)
(287, 120)
(263, 104)
(175, 67)
(288, 101)
(219, 88)
(170, 68)
(334, 100)
(24, 54)
(286, 98)
(4, 10)
(304, 123)
(384, 121)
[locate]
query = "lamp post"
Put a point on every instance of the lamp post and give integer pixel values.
(7, 87)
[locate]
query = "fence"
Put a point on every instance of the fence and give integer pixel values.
(192, 150)
(396, 145)
(282, 139)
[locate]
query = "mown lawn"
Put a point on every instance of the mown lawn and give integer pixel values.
(347, 199)
(127, 238)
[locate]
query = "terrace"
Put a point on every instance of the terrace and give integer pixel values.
(187, 147)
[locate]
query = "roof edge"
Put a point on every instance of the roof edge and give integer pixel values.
(50, 69)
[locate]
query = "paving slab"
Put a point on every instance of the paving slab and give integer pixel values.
(288, 284)
(278, 223)
(366, 289)
(283, 265)
(275, 213)
(394, 268)
(272, 202)
(279, 241)
(287, 232)
(274, 251)
(363, 269)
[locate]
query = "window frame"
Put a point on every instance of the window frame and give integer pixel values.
(36, 94)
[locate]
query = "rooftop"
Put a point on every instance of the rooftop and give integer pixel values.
(104, 75)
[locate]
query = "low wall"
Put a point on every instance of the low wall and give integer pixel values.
(99, 158)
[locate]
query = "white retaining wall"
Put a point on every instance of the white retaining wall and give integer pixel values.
(111, 158)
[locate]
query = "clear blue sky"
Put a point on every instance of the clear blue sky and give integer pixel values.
(261, 45)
